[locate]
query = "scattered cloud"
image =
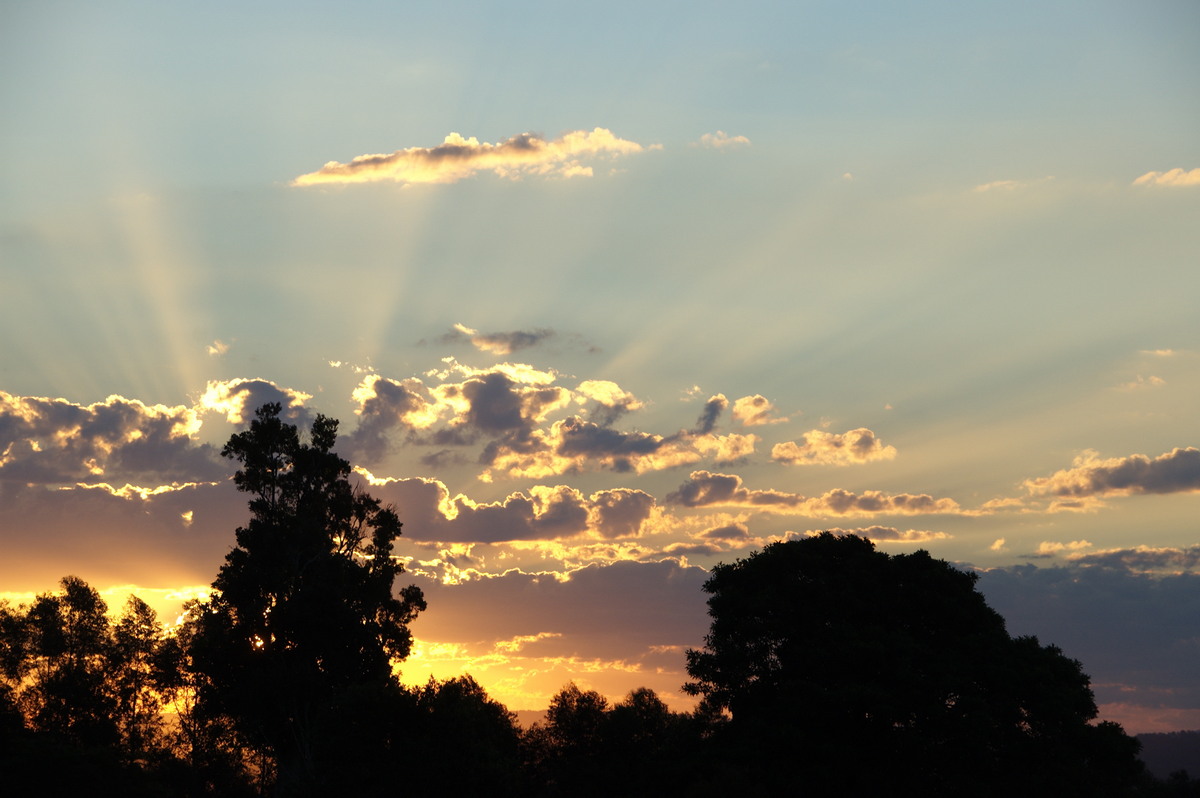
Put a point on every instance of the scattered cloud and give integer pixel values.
(1172, 177)
(217, 348)
(457, 158)
(829, 448)
(997, 545)
(722, 140)
(1177, 471)
(755, 411)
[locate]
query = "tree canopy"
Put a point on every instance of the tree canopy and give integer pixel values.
(851, 670)
(303, 611)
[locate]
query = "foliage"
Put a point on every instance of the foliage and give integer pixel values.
(303, 610)
(869, 672)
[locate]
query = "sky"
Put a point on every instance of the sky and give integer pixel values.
(605, 295)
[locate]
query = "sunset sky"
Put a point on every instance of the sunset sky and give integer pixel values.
(606, 294)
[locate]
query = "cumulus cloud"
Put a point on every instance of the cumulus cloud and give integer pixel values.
(1177, 471)
(721, 140)
(829, 448)
(755, 411)
(237, 399)
(706, 489)
(1172, 177)
(457, 158)
(498, 343)
(217, 347)
(432, 515)
(50, 441)
(1049, 548)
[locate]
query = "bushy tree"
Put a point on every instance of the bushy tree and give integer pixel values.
(82, 696)
(851, 672)
(303, 618)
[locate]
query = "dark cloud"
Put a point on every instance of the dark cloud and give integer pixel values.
(1177, 471)
(883, 533)
(711, 414)
(384, 405)
(430, 514)
(1135, 633)
(497, 343)
(48, 441)
(621, 512)
(1143, 559)
(239, 398)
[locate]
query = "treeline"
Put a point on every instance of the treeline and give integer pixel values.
(830, 669)
(107, 706)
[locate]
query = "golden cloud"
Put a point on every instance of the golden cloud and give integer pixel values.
(457, 158)
(1173, 177)
(831, 448)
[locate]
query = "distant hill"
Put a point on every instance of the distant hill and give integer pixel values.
(1169, 752)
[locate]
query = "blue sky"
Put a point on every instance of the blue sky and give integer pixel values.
(929, 272)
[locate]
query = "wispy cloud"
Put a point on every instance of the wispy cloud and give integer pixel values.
(1172, 177)
(457, 158)
(497, 343)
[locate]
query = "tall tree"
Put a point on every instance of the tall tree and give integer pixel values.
(303, 611)
(852, 671)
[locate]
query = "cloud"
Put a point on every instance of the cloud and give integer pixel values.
(722, 140)
(705, 489)
(711, 414)
(1049, 548)
(884, 533)
(498, 343)
(1142, 382)
(543, 512)
(611, 400)
(828, 448)
(1173, 177)
(755, 411)
(1134, 631)
(1177, 471)
(457, 158)
(238, 398)
(54, 441)
(217, 348)
(1009, 185)
(1143, 559)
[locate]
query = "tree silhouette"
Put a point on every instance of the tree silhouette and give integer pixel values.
(857, 672)
(303, 618)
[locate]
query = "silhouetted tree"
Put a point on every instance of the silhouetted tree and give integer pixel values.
(303, 618)
(461, 741)
(849, 671)
(82, 697)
